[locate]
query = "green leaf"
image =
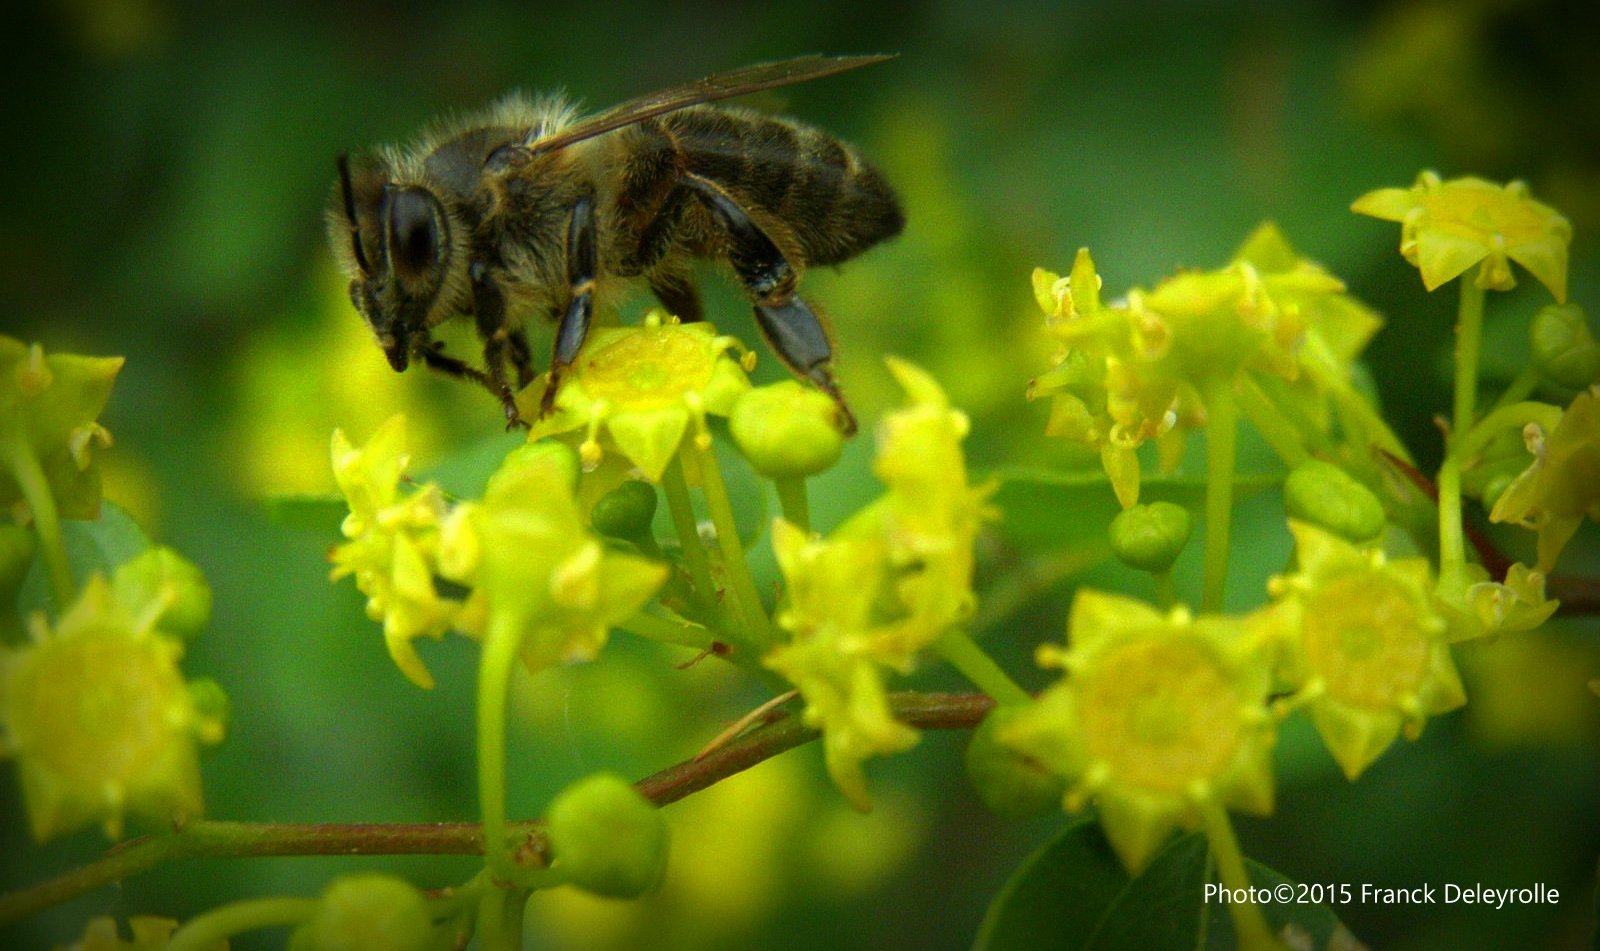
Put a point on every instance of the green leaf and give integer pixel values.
(1074, 894)
(95, 546)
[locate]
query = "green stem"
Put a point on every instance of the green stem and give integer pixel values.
(46, 521)
(1469, 334)
(500, 915)
(1222, 431)
(1277, 429)
(794, 501)
(1520, 388)
(667, 630)
(975, 664)
(494, 678)
(747, 601)
(1512, 416)
(203, 931)
(1253, 932)
(681, 507)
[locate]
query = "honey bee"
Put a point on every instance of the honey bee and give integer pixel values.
(529, 210)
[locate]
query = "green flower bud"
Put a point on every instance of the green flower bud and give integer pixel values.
(367, 913)
(1564, 350)
(1326, 496)
(607, 838)
(787, 430)
(626, 511)
(1150, 537)
(1010, 783)
(162, 579)
(212, 708)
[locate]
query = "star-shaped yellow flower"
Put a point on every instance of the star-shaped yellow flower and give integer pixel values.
(1447, 227)
(1159, 713)
(645, 386)
(1366, 645)
(100, 719)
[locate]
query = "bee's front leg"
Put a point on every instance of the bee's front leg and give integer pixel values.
(489, 310)
(573, 330)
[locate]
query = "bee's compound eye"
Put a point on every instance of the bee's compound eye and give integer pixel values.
(413, 231)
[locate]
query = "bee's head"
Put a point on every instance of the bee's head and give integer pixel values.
(394, 243)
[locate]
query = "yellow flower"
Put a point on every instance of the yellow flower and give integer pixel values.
(932, 515)
(831, 592)
(1562, 487)
(1478, 607)
(543, 577)
(1367, 648)
(1335, 323)
(1447, 227)
(48, 410)
(1158, 714)
(100, 720)
(393, 546)
(644, 385)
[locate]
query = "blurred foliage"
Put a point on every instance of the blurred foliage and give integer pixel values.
(167, 172)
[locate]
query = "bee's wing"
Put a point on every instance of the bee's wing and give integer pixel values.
(735, 82)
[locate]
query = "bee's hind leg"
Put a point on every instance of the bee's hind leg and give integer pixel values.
(792, 329)
(573, 329)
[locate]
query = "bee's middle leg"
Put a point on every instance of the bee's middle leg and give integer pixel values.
(499, 340)
(792, 329)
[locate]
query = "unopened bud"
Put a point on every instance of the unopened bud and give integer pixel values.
(1150, 537)
(1009, 783)
(1330, 498)
(547, 460)
(607, 838)
(787, 430)
(367, 913)
(626, 511)
(1564, 350)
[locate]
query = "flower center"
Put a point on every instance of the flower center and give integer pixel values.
(649, 367)
(1162, 714)
(1364, 637)
(99, 707)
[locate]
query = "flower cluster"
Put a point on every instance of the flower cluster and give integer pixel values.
(521, 563)
(883, 586)
(1145, 367)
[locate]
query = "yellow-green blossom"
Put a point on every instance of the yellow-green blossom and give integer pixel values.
(540, 574)
(1158, 713)
(1447, 227)
(832, 589)
(645, 386)
(1367, 648)
(1478, 607)
(932, 514)
(149, 933)
(1562, 486)
(99, 719)
(48, 409)
(393, 547)
(1334, 322)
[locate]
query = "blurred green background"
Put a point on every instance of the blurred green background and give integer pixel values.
(165, 173)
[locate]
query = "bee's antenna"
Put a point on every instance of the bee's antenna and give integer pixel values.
(350, 213)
